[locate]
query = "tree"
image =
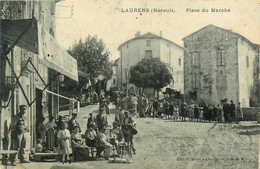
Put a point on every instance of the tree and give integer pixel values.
(92, 57)
(150, 73)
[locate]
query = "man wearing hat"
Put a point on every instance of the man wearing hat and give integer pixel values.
(73, 122)
(101, 119)
(18, 116)
(103, 143)
(18, 141)
(232, 110)
(126, 125)
(91, 135)
(90, 119)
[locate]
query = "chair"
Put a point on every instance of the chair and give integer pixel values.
(93, 150)
(125, 149)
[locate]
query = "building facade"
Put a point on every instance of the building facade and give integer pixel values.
(149, 45)
(33, 68)
(219, 64)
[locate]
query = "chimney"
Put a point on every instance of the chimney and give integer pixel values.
(161, 33)
(137, 34)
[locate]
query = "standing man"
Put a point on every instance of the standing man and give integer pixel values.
(126, 125)
(119, 115)
(134, 101)
(101, 119)
(90, 119)
(232, 111)
(107, 102)
(73, 123)
(18, 140)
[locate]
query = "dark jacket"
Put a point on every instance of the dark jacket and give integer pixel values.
(93, 119)
(101, 121)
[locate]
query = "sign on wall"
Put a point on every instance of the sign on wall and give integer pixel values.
(55, 57)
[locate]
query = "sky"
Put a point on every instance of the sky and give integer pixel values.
(105, 19)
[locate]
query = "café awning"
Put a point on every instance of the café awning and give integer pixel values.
(30, 35)
(12, 29)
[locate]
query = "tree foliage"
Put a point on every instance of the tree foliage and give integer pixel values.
(150, 72)
(93, 57)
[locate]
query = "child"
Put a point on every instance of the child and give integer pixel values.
(38, 147)
(64, 141)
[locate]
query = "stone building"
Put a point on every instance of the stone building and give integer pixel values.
(219, 64)
(32, 65)
(149, 45)
(112, 82)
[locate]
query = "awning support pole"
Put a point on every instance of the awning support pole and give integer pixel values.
(17, 80)
(16, 84)
(37, 72)
(46, 86)
(9, 63)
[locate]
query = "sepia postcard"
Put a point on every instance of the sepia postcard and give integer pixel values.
(130, 84)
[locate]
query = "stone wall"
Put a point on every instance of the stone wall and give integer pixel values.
(250, 113)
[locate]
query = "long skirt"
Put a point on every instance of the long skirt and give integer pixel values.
(50, 138)
(80, 153)
(176, 114)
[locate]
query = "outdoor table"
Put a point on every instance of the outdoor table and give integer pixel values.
(5, 155)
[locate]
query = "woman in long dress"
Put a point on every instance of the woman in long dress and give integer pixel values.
(50, 128)
(176, 113)
(64, 143)
(80, 151)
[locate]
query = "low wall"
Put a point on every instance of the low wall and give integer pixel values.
(250, 113)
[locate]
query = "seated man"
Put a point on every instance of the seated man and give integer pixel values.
(103, 143)
(117, 136)
(91, 135)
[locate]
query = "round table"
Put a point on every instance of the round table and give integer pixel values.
(5, 154)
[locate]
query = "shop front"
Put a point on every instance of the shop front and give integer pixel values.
(32, 78)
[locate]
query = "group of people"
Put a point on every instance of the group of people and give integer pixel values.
(223, 112)
(136, 105)
(143, 107)
(66, 135)
(97, 134)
